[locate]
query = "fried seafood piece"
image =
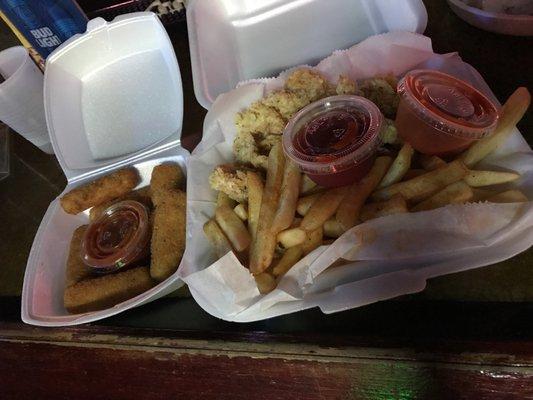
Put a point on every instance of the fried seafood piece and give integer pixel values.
(231, 180)
(100, 191)
(260, 118)
(105, 291)
(247, 150)
(286, 102)
(346, 85)
(382, 93)
(311, 83)
(389, 133)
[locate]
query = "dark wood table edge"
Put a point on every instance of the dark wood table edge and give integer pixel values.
(501, 353)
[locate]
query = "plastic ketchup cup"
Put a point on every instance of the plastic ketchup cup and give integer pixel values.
(118, 238)
(441, 115)
(334, 140)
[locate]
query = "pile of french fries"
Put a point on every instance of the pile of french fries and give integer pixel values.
(287, 216)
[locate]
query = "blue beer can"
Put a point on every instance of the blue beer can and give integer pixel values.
(45, 23)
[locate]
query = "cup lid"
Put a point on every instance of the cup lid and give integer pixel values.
(113, 94)
(448, 104)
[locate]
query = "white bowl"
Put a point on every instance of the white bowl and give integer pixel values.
(508, 24)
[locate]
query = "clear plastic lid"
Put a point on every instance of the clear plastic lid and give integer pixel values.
(448, 104)
(339, 154)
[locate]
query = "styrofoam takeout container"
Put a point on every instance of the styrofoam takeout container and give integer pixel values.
(113, 98)
(235, 40)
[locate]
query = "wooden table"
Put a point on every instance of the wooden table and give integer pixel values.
(468, 336)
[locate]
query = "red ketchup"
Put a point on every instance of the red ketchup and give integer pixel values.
(334, 140)
(442, 115)
(118, 238)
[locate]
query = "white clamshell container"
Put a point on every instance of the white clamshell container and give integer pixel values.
(113, 98)
(235, 40)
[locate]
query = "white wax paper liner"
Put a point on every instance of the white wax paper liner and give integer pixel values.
(382, 258)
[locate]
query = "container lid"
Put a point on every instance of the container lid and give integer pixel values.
(448, 104)
(112, 94)
(236, 40)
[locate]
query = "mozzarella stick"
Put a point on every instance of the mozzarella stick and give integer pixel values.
(100, 191)
(168, 234)
(76, 268)
(164, 177)
(107, 290)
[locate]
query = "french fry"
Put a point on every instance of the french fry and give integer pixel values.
(426, 185)
(217, 238)
(395, 205)
(291, 237)
(333, 229)
(348, 211)
(487, 178)
(296, 222)
(242, 211)
(306, 184)
(512, 111)
(255, 194)
(233, 228)
(399, 166)
(264, 244)
(413, 173)
(289, 258)
(509, 196)
(313, 240)
(224, 200)
(323, 208)
(265, 282)
(305, 203)
(288, 197)
(482, 194)
(430, 163)
(456, 193)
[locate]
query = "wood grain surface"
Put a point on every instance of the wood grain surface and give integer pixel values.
(87, 363)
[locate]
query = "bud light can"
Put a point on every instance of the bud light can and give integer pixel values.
(45, 23)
